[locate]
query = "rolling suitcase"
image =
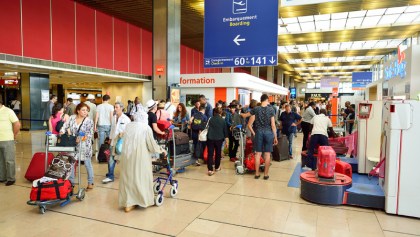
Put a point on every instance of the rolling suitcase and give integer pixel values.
(281, 150)
(36, 168)
(343, 168)
(326, 162)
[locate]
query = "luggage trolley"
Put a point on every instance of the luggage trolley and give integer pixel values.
(163, 178)
(238, 134)
(80, 194)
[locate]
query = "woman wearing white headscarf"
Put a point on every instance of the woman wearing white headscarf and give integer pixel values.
(136, 183)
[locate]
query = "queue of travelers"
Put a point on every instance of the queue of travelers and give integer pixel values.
(132, 132)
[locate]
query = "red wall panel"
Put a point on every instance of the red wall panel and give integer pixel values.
(85, 36)
(120, 45)
(183, 60)
(147, 53)
(196, 61)
(190, 61)
(63, 32)
(10, 24)
(36, 29)
(104, 40)
(201, 60)
(134, 47)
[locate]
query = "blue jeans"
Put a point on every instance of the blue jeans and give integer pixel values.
(103, 132)
(264, 141)
(315, 140)
(111, 165)
(89, 170)
(290, 137)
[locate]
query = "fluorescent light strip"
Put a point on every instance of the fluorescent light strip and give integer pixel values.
(396, 16)
(335, 59)
(343, 46)
(325, 73)
(333, 68)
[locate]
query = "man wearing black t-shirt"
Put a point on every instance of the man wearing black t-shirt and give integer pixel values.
(152, 107)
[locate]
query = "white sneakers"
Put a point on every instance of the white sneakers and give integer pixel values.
(107, 180)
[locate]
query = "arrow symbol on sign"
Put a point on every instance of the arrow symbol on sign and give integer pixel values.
(272, 61)
(237, 40)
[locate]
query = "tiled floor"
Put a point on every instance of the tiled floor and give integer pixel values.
(221, 205)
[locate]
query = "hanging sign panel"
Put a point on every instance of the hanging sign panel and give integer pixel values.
(289, 3)
(240, 33)
(361, 79)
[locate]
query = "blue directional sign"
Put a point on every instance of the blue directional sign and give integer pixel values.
(361, 79)
(240, 33)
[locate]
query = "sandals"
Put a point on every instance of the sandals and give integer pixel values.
(210, 173)
(266, 177)
(257, 176)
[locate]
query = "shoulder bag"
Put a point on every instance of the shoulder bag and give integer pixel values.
(203, 135)
(67, 140)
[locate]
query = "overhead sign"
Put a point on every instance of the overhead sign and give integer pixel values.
(361, 79)
(9, 82)
(330, 82)
(240, 33)
(288, 3)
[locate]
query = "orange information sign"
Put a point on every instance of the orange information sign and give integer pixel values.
(160, 69)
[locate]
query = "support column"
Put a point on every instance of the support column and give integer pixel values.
(270, 74)
(228, 70)
(292, 82)
(287, 81)
(280, 75)
(255, 71)
(166, 46)
(33, 108)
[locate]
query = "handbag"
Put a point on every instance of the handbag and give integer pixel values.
(118, 146)
(67, 140)
(203, 135)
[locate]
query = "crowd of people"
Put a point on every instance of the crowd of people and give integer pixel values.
(136, 127)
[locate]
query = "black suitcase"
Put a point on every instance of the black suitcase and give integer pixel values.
(179, 149)
(181, 138)
(281, 150)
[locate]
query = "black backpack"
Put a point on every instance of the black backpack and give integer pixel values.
(104, 153)
(198, 122)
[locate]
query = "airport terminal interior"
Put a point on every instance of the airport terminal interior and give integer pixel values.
(338, 76)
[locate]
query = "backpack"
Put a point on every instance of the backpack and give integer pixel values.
(104, 153)
(198, 122)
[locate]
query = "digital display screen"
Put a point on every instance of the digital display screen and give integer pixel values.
(293, 92)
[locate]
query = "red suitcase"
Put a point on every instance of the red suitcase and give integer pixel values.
(58, 189)
(326, 162)
(343, 168)
(36, 168)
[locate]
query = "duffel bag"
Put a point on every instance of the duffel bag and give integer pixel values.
(57, 189)
(181, 138)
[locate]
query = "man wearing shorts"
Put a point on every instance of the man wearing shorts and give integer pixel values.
(265, 128)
